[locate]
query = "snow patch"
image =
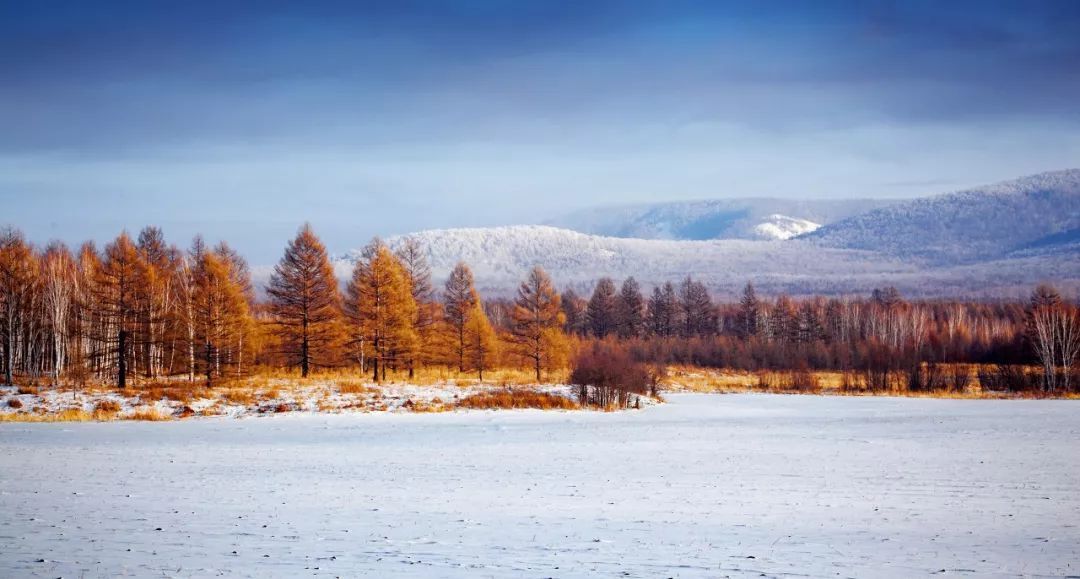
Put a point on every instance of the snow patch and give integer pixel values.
(782, 227)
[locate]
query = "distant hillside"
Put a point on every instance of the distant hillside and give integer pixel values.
(500, 257)
(751, 218)
(1035, 214)
(991, 241)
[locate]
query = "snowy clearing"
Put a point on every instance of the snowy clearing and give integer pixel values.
(705, 486)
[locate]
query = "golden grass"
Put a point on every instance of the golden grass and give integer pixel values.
(68, 415)
(511, 399)
(706, 380)
(240, 396)
(108, 406)
(147, 413)
(353, 387)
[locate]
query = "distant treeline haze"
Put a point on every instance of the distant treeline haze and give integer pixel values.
(144, 309)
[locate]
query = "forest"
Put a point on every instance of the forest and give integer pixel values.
(142, 309)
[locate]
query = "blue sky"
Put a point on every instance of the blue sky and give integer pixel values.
(374, 118)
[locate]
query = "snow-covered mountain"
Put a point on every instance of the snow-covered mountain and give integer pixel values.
(750, 218)
(994, 240)
(500, 256)
(1038, 214)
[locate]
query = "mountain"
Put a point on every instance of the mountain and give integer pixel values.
(500, 256)
(992, 241)
(1038, 214)
(750, 218)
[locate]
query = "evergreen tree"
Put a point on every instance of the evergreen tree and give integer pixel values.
(601, 309)
(661, 314)
(630, 310)
(749, 313)
(695, 313)
(305, 302)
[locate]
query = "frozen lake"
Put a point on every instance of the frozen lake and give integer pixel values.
(705, 486)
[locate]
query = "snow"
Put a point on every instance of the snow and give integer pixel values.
(314, 395)
(705, 486)
(781, 227)
(735, 218)
(500, 257)
(979, 224)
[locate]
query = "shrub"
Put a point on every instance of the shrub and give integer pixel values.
(147, 413)
(107, 406)
(607, 376)
(512, 398)
(14, 403)
(352, 387)
(238, 396)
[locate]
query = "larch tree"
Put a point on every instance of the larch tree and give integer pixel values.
(305, 302)
(381, 309)
(694, 308)
(118, 290)
(537, 322)
(574, 310)
(220, 310)
(601, 309)
(661, 311)
(240, 277)
(414, 263)
(481, 342)
(749, 312)
(630, 310)
(16, 276)
(154, 297)
(459, 301)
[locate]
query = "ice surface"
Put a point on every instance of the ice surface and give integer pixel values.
(705, 486)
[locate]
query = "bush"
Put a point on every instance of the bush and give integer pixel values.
(14, 403)
(517, 399)
(107, 406)
(1009, 378)
(607, 376)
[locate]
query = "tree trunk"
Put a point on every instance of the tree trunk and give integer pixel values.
(121, 376)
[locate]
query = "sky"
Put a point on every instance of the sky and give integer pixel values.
(379, 118)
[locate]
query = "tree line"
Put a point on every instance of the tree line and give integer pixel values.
(141, 308)
(882, 340)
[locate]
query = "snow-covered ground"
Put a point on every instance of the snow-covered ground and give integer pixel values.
(705, 486)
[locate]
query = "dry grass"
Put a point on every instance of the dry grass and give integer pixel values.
(694, 379)
(108, 406)
(510, 399)
(353, 387)
(240, 396)
(183, 393)
(14, 403)
(147, 413)
(28, 390)
(67, 415)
